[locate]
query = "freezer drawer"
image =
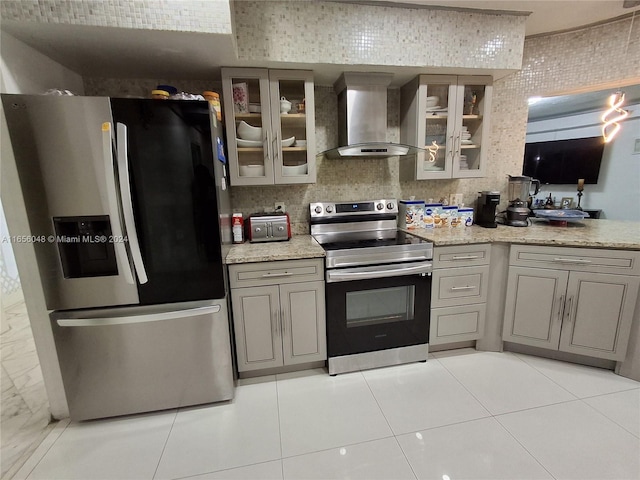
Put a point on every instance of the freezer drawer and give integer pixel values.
(138, 359)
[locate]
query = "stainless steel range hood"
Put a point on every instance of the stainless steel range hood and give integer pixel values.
(362, 118)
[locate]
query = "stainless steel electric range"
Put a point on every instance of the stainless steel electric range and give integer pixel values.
(378, 291)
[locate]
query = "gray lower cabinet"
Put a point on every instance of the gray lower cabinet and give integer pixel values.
(572, 308)
(459, 293)
(280, 319)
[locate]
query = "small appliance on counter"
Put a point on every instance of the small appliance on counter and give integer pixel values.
(486, 208)
(268, 227)
(519, 191)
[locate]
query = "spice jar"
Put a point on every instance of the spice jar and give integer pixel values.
(214, 99)
(160, 94)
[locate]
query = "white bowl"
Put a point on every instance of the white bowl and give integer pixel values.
(287, 142)
(294, 170)
(252, 170)
(432, 102)
(301, 143)
(249, 132)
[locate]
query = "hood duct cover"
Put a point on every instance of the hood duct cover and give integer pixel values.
(362, 117)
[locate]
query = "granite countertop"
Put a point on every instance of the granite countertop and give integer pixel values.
(587, 233)
(298, 247)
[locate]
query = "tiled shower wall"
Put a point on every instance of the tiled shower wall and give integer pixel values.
(551, 64)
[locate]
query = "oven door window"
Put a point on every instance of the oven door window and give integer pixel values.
(377, 314)
(380, 305)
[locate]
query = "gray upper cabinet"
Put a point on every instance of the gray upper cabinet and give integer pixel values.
(447, 115)
(270, 125)
(571, 307)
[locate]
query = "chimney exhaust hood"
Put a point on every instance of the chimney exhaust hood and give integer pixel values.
(362, 118)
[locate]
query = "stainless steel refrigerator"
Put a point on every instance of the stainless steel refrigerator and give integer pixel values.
(129, 214)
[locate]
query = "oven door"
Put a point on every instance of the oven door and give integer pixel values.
(388, 307)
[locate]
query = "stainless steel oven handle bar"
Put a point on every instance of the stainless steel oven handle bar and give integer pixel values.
(127, 204)
(122, 258)
(382, 271)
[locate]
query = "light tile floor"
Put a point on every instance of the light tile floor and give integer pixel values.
(462, 414)
(24, 407)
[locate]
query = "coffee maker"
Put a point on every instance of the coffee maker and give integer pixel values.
(519, 191)
(486, 208)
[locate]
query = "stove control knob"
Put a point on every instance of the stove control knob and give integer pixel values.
(318, 209)
(329, 208)
(390, 205)
(380, 206)
(281, 228)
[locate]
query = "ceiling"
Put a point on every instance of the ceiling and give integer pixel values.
(544, 16)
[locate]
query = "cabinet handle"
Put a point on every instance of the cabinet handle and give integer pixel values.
(266, 146)
(452, 150)
(560, 308)
(568, 310)
(274, 324)
(468, 287)
(576, 261)
(466, 257)
(271, 275)
(275, 147)
(458, 142)
(283, 323)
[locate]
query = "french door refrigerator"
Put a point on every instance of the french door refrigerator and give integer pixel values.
(128, 210)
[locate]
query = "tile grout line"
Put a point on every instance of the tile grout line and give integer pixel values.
(523, 447)
(44, 454)
(279, 425)
(607, 416)
(164, 447)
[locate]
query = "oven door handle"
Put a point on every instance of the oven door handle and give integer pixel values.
(380, 272)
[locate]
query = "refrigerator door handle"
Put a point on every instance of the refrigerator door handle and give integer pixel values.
(133, 319)
(114, 212)
(127, 204)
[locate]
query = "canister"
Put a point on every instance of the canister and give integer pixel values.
(466, 216)
(410, 214)
(237, 227)
(432, 215)
(448, 213)
(214, 99)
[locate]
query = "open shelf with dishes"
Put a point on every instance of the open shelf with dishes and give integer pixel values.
(270, 114)
(448, 116)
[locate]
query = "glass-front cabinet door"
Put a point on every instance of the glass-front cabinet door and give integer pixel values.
(269, 116)
(293, 124)
(446, 115)
(473, 98)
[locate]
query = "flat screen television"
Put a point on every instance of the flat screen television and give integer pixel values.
(564, 161)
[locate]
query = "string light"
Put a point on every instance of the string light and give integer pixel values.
(611, 126)
(433, 151)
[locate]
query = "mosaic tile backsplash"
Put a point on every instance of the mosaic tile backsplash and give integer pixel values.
(550, 66)
(206, 16)
(357, 34)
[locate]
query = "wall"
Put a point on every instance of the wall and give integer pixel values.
(360, 34)
(206, 16)
(617, 192)
(554, 63)
(26, 71)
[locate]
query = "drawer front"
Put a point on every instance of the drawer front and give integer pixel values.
(275, 273)
(459, 286)
(461, 256)
(579, 259)
(457, 324)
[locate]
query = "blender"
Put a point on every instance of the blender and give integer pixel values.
(519, 190)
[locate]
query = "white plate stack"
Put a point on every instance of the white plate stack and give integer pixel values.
(463, 163)
(465, 136)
